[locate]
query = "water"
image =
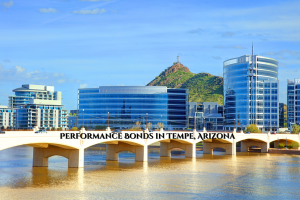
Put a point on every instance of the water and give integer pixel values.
(247, 176)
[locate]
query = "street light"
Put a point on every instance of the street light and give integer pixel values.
(195, 117)
(83, 118)
(234, 123)
(146, 120)
(108, 119)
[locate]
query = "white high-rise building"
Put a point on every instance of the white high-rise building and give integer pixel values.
(6, 117)
(38, 105)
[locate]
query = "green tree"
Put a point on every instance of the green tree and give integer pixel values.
(137, 126)
(295, 145)
(74, 129)
(296, 129)
(280, 145)
(159, 125)
(252, 128)
(289, 146)
(100, 127)
(149, 125)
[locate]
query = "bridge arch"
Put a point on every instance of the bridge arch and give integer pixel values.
(166, 147)
(41, 155)
(258, 139)
(283, 141)
(217, 147)
(88, 144)
(38, 144)
(247, 143)
(210, 144)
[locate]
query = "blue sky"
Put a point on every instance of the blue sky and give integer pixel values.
(90, 43)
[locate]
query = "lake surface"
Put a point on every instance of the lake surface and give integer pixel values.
(244, 176)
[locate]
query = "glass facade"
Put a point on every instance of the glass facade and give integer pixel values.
(251, 92)
(293, 102)
(207, 114)
(128, 104)
(27, 92)
(43, 116)
(6, 117)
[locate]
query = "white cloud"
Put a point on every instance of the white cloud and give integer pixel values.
(58, 74)
(282, 53)
(48, 10)
(228, 34)
(6, 60)
(217, 57)
(198, 30)
(32, 74)
(229, 47)
(7, 4)
(90, 12)
(20, 75)
(20, 69)
(83, 85)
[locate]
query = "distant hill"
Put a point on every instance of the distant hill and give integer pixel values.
(203, 87)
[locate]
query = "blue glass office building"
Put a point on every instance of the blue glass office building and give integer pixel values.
(128, 104)
(251, 92)
(293, 102)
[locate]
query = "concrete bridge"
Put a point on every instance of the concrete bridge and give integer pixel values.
(50, 144)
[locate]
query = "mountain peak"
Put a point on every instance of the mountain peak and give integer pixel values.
(202, 86)
(174, 68)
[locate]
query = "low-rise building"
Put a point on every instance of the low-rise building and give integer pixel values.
(124, 106)
(207, 114)
(72, 121)
(6, 117)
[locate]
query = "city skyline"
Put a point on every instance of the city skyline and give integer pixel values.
(77, 44)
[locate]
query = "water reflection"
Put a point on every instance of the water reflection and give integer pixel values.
(255, 175)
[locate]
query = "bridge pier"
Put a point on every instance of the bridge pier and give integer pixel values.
(230, 148)
(75, 156)
(112, 151)
(245, 145)
(166, 147)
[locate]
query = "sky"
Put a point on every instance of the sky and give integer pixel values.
(73, 44)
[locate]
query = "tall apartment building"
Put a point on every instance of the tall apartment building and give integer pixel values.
(38, 92)
(127, 105)
(6, 117)
(38, 105)
(251, 92)
(293, 102)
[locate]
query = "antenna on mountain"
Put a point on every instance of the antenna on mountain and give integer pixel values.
(177, 59)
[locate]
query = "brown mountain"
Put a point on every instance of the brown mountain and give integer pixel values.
(203, 87)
